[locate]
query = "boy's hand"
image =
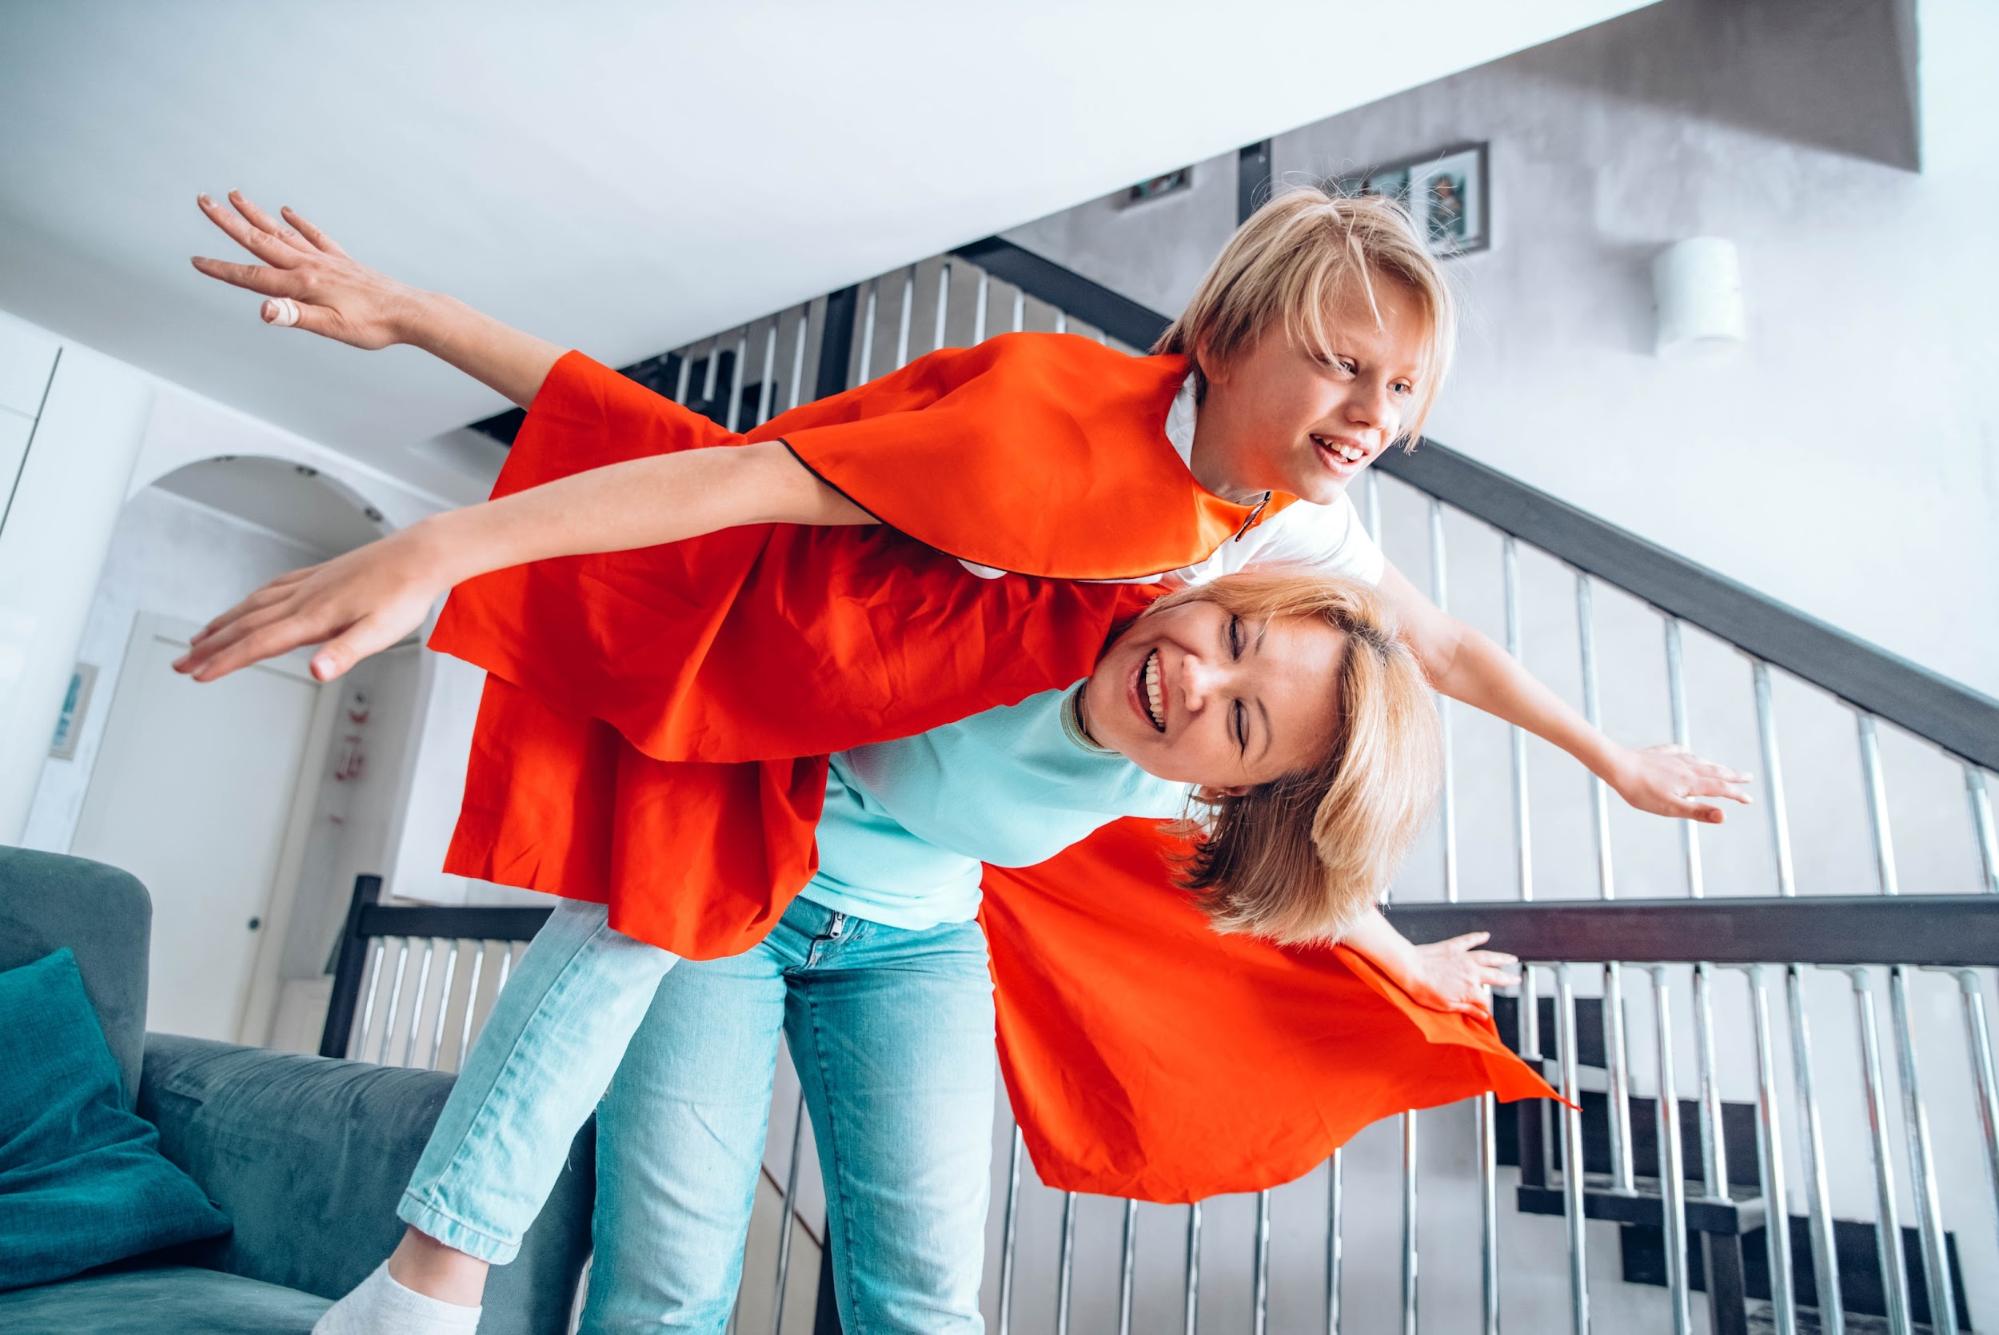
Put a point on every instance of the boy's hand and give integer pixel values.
(1455, 976)
(1666, 780)
(332, 294)
(357, 604)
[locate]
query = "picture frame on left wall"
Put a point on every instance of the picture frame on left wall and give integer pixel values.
(75, 707)
(1447, 191)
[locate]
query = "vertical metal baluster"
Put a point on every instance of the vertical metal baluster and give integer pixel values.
(506, 967)
(798, 354)
(1980, 1036)
(443, 1006)
(1522, 837)
(1818, 1203)
(1019, 310)
(1127, 1267)
(1409, 1258)
(1447, 806)
(943, 303)
(680, 381)
(868, 308)
(1981, 821)
(1616, 1059)
(1770, 1154)
(1009, 1229)
(1061, 322)
(979, 305)
(785, 1223)
(1877, 807)
(1773, 775)
(359, 1038)
(768, 382)
(1065, 1279)
(713, 368)
(1371, 505)
(471, 1001)
(1335, 1245)
(1191, 1303)
(902, 319)
(733, 419)
(1488, 1213)
(1887, 1212)
(1676, 692)
(1572, 1149)
(1530, 1015)
(395, 1003)
(416, 1006)
(1672, 1166)
(1714, 1144)
(1260, 1267)
(1922, 1162)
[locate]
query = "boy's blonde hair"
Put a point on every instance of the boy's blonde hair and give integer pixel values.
(1300, 858)
(1294, 262)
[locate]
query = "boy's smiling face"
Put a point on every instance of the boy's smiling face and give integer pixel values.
(1278, 418)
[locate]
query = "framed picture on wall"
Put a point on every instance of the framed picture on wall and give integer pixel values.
(1447, 191)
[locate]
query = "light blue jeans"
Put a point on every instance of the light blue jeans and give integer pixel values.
(891, 1032)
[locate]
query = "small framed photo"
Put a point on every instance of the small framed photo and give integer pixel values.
(1447, 192)
(75, 707)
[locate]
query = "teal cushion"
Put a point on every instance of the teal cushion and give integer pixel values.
(82, 1180)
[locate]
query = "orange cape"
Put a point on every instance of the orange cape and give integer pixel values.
(655, 725)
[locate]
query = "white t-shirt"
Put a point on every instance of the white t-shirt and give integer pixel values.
(1328, 538)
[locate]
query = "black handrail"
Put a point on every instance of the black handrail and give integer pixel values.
(1952, 931)
(1957, 718)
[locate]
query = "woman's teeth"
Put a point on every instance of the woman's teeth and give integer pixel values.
(1155, 702)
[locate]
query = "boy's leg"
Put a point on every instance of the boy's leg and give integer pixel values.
(892, 1034)
(543, 1059)
(680, 1140)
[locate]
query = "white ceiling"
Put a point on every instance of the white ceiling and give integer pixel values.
(621, 175)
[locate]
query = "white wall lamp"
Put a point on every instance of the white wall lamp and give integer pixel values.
(1697, 291)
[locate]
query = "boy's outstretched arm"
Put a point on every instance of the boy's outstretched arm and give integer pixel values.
(336, 296)
(1449, 975)
(1468, 666)
(367, 599)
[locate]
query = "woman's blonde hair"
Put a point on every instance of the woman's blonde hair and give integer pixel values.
(1300, 858)
(1294, 263)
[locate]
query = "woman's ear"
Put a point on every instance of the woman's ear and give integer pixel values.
(1209, 793)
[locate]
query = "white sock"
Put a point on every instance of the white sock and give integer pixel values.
(380, 1306)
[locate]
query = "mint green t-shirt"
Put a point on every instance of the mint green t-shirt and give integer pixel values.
(908, 822)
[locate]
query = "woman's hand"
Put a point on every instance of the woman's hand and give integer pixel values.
(1454, 975)
(1665, 780)
(334, 295)
(359, 603)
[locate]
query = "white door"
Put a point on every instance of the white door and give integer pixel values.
(196, 791)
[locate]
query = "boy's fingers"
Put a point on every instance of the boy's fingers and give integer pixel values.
(311, 233)
(263, 597)
(367, 636)
(1468, 940)
(265, 223)
(256, 277)
(262, 244)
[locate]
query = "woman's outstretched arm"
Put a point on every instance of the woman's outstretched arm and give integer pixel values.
(1453, 975)
(340, 298)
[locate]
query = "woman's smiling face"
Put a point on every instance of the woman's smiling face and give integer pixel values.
(1196, 694)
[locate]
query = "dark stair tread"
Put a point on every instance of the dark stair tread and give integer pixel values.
(1740, 1212)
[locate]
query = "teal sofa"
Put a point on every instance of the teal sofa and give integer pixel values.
(307, 1156)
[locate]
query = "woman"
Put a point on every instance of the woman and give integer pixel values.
(1279, 705)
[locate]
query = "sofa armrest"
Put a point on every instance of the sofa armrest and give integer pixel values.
(309, 1156)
